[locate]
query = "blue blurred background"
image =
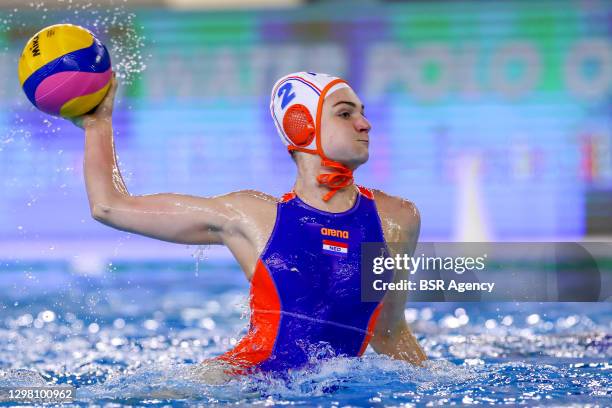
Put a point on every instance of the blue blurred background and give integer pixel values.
(493, 117)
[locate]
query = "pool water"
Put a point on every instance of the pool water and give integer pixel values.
(134, 336)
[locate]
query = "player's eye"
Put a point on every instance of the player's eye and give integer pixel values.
(344, 114)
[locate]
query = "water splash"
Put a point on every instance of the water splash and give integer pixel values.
(31, 136)
(200, 255)
(140, 337)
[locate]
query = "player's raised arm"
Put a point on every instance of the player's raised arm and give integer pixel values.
(169, 217)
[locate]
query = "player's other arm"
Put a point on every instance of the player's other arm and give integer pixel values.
(169, 217)
(392, 335)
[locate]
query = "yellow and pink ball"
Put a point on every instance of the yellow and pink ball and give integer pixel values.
(65, 70)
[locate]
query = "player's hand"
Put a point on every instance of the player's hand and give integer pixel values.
(103, 112)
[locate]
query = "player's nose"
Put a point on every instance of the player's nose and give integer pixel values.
(363, 125)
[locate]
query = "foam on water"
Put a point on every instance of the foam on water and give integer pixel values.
(373, 379)
(137, 336)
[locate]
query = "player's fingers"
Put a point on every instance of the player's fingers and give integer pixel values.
(108, 101)
(114, 83)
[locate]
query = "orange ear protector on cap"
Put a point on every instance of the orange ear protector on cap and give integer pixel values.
(294, 100)
(298, 125)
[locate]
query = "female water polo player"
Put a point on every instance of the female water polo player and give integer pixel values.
(301, 253)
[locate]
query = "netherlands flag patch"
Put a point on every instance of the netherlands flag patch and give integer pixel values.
(335, 247)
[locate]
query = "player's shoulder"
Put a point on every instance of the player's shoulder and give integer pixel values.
(246, 201)
(249, 208)
(401, 210)
(254, 195)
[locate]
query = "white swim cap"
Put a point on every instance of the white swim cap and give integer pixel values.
(296, 105)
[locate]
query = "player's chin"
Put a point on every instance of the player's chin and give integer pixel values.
(361, 155)
(353, 157)
(364, 151)
(366, 156)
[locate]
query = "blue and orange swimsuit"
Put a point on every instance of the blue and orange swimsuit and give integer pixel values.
(305, 293)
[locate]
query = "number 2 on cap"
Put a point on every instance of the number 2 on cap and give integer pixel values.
(285, 92)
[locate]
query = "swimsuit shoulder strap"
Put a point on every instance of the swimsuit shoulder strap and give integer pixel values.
(288, 196)
(365, 192)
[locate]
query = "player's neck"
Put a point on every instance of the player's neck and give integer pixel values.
(311, 192)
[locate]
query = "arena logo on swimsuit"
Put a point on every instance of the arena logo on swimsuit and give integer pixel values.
(335, 233)
(335, 247)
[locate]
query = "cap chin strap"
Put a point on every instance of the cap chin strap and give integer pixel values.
(341, 177)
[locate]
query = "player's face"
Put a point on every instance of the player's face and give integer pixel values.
(345, 129)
